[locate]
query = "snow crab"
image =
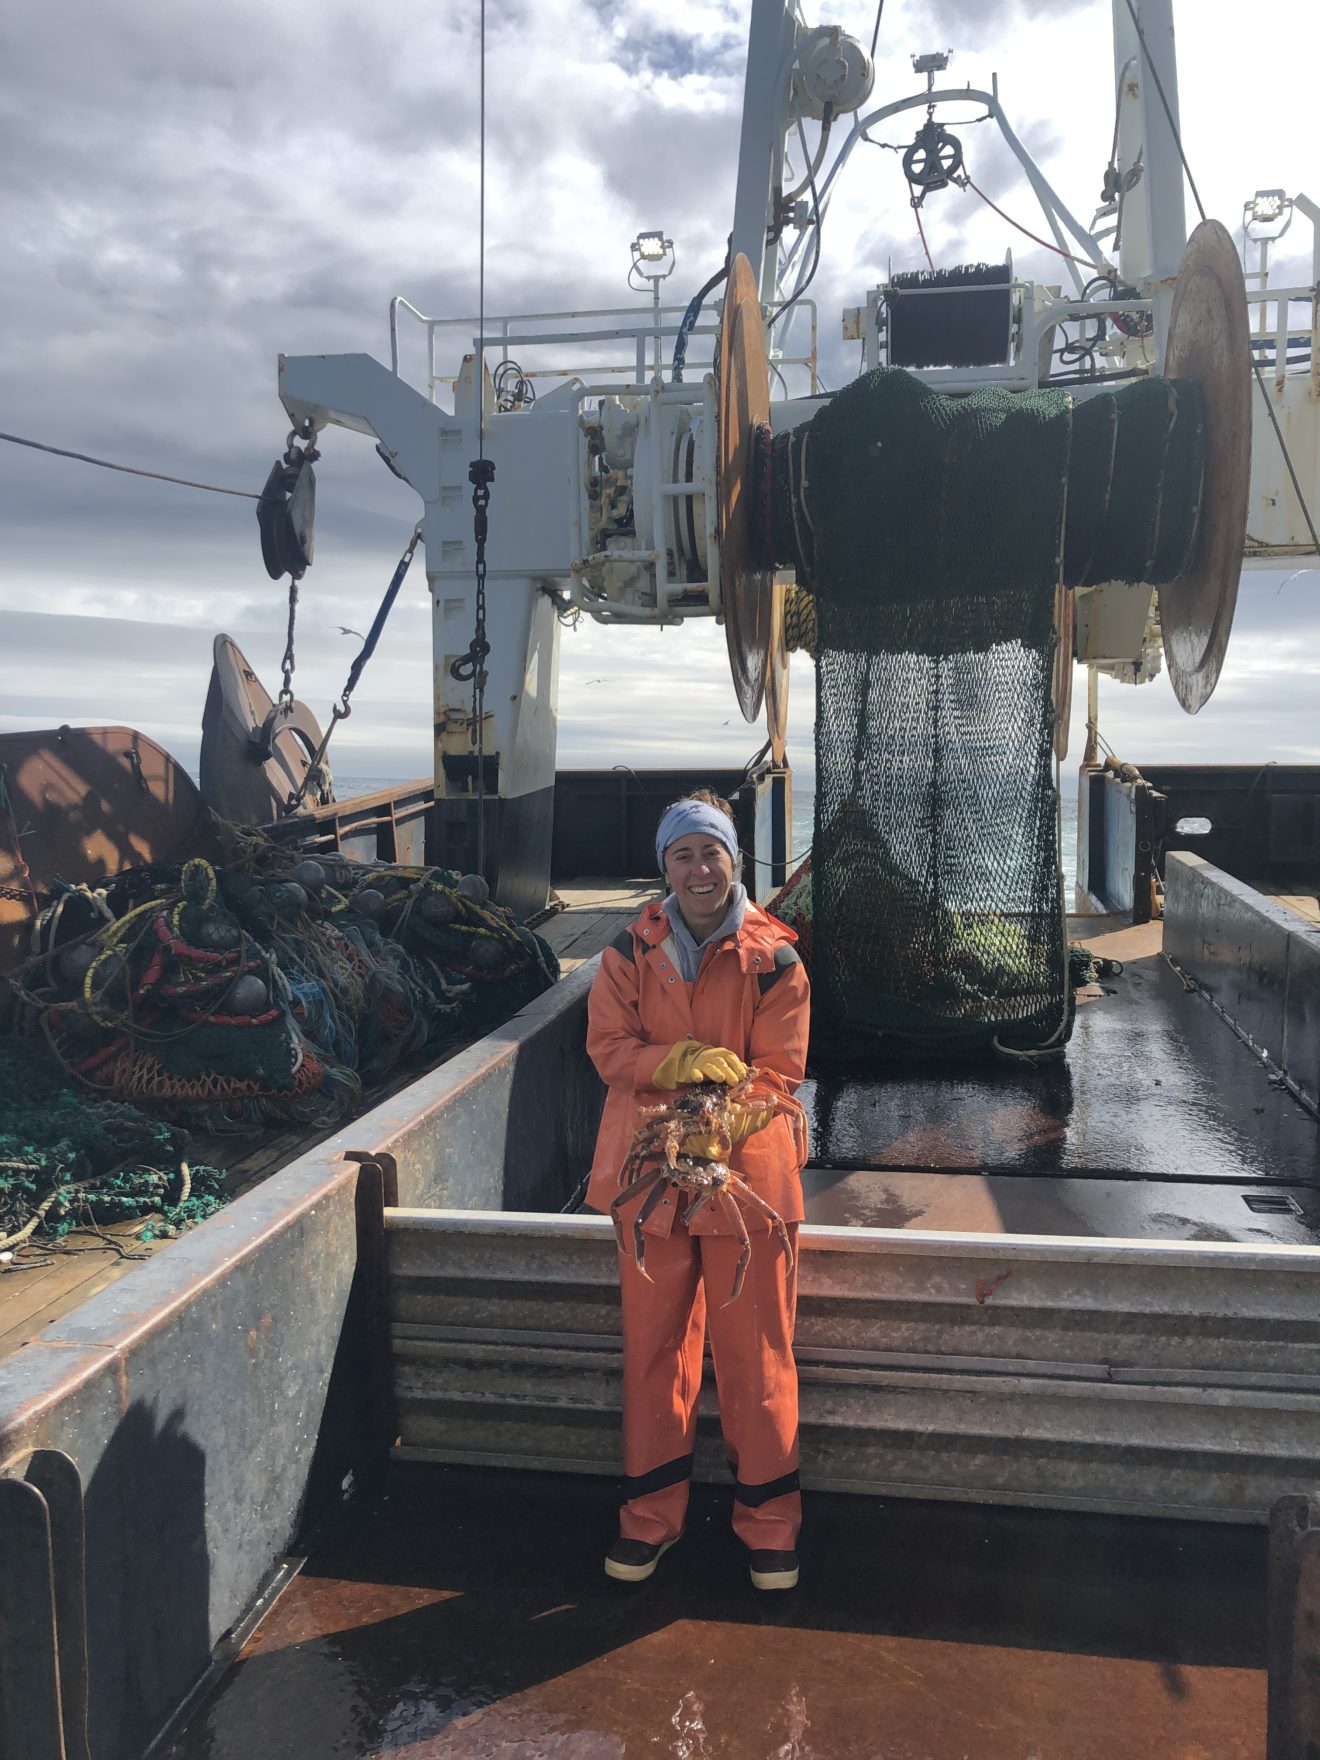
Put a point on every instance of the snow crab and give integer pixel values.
(656, 1160)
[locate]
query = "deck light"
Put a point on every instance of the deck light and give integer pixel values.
(653, 255)
(1268, 214)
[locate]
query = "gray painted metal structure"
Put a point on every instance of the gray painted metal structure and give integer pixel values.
(1258, 961)
(1257, 822)
(218, 1401)
(1172, 1379)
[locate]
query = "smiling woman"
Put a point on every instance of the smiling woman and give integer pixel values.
(703, 999)
(701, 863)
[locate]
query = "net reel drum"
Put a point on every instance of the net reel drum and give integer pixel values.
(1208, 343)
(757, 656)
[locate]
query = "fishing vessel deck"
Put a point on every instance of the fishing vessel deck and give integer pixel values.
(1061, 1372)
(431, 1627)
(34, 1296)
(1162, 1124)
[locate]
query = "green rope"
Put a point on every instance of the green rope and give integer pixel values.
(69, 1161)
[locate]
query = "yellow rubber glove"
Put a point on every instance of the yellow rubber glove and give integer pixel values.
(688, 1061)
(705, 1147)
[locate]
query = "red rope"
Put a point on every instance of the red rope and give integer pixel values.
(1085, 262)
(922, 230)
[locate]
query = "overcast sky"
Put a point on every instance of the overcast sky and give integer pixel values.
(186, 192)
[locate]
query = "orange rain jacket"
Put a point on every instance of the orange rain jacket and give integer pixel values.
(750, 996)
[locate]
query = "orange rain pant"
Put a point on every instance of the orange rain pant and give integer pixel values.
(751, 1340)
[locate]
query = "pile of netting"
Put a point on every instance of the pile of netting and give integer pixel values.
(929, 539)
(270, 991)
(70, 1161)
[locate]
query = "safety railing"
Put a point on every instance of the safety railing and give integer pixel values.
(1283, 321)
(590, 328)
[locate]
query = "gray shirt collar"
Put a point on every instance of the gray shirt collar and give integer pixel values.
(688, 951)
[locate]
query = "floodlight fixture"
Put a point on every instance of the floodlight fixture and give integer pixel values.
(653, 259)
(935, 62)
(1267, 215)
(655, 248)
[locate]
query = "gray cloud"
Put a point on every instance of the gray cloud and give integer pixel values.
(195, 190)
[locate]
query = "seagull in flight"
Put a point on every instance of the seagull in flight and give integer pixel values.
(344, 630)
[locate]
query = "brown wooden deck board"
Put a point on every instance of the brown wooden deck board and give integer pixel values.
(594, 913)
(1306, 904)
(31, 1299)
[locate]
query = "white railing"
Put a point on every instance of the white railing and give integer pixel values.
(592, 328)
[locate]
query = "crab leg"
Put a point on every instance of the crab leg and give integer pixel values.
(636, 1160)
(771, 1215)
(639, 1239)
(701, 1199)
(745, 1256)
(635, 1190)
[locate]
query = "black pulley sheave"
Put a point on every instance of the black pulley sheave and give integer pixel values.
(286, 512)
(934, 159)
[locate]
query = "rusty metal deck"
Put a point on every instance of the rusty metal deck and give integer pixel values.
(469, 1617)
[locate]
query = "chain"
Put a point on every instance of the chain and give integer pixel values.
(288, 662)
(315, 776)
(472, 665)
(481, 474)
(292, 456)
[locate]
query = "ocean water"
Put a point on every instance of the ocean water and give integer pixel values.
(804, 804)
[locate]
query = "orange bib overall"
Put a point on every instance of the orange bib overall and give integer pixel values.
(751, 997)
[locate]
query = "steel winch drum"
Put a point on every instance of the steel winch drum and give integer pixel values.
(1209, 341)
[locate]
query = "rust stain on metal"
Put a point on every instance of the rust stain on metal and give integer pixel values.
(89, 802)
(994, 1633)
(266, 1324)
(252, 1341)
(986, 1286)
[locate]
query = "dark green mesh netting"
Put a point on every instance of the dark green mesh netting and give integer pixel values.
(930, 535)
(70, 1160)
(937, 528)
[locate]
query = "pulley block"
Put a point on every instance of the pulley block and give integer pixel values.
(286, 513)
(934, 159)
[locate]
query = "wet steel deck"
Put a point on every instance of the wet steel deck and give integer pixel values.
(468, 1617)
(1158, 1125)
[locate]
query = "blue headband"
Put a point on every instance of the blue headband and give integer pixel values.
(686, 817)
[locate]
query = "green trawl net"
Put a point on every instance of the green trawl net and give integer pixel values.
(73, 1160)
(929, 535)
(937, 529)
